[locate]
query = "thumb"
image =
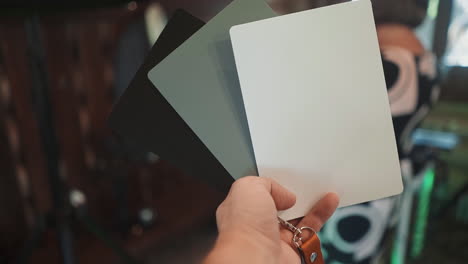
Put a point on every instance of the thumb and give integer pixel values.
(283, 198)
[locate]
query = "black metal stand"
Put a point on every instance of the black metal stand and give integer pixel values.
(63, 213)
(44, 114)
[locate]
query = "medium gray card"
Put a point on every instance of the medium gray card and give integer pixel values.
(199, 80)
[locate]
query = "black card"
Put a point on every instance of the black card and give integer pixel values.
(143, 118)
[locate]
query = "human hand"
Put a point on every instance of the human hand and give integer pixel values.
(248, 226)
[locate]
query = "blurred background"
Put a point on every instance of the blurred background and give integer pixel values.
(71, 193)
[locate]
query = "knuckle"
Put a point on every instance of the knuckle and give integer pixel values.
(246, 180)
(220, 210)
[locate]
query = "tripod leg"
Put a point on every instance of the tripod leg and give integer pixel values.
(66, 243)
(45, 115)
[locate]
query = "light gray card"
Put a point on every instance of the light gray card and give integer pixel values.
(200, 81)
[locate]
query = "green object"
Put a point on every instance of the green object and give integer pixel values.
(422, 213)
(432, 9)
(395, 258)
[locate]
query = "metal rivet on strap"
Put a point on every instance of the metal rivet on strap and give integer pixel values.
(313, 256)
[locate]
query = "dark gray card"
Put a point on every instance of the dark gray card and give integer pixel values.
(146, 121)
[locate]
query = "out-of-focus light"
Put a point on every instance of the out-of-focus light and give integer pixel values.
(422, 213)
(151, 157)
(436, 139)
(463, 4)
(77, 198)
(458, 55)
(155, 19)
(457, 45)
(146, 215)
(132, 6)
(395, 257)
(461, 61)
(433, 8)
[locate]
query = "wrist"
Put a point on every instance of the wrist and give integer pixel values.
(243, 247)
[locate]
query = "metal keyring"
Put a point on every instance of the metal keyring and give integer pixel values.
(298, 235)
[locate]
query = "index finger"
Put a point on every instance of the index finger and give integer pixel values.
(317, 216)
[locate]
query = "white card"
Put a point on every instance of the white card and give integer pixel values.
(317, 105)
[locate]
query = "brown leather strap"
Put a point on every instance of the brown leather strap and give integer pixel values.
(311, 251)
